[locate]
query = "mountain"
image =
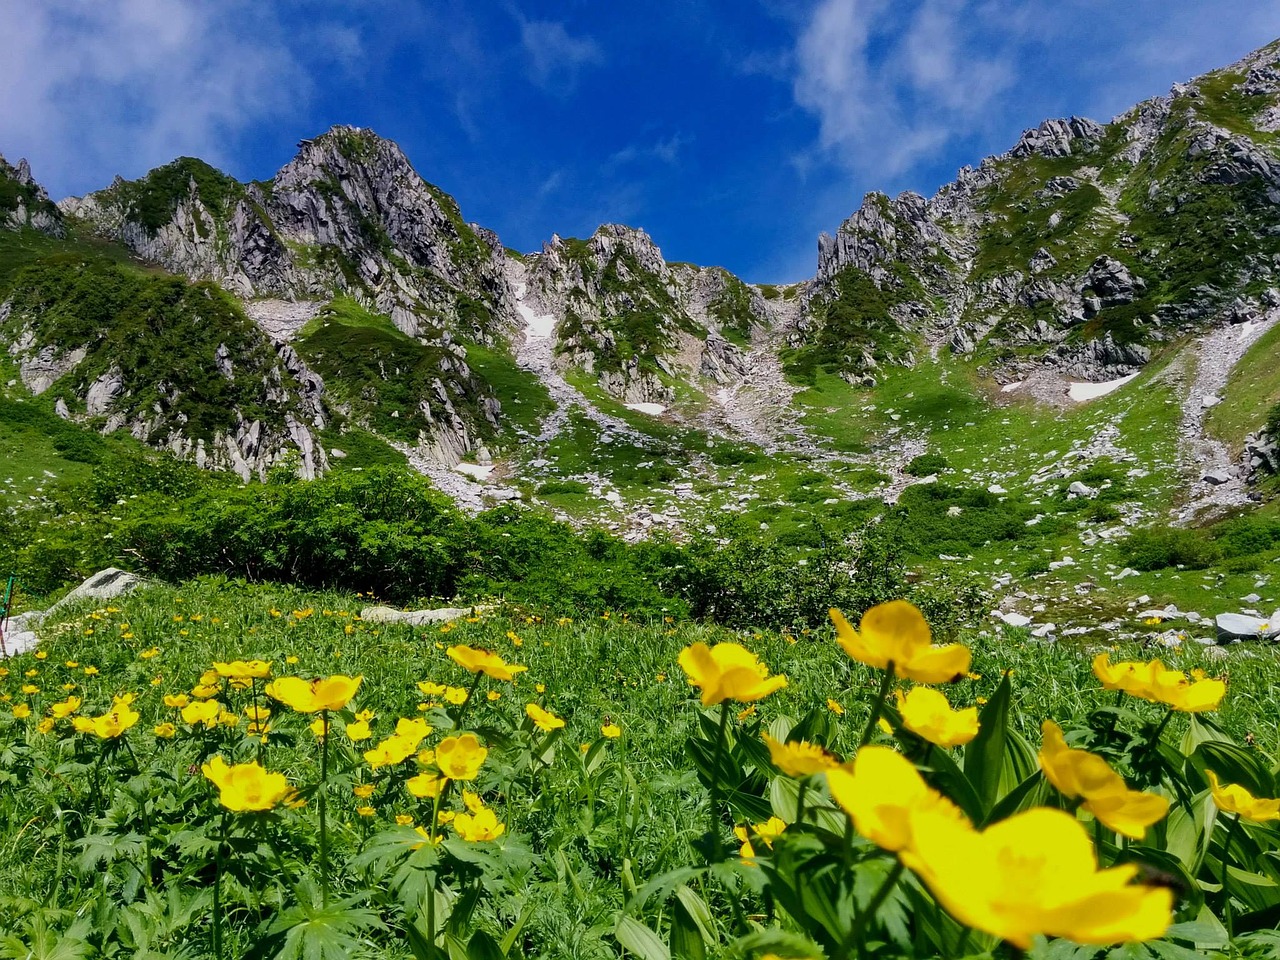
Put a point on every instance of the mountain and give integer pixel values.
(345, 313)
(1084, 247)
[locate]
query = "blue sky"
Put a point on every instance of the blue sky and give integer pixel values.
(734, 132)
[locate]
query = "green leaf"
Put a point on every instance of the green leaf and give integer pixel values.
(484, 947)
(687, 942)
(984, 754)
(640, 940)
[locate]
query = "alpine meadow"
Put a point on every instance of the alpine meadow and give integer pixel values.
(377, 590)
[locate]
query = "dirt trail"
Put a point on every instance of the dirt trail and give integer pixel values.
(1219, 351)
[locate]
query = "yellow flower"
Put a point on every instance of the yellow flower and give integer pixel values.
(483, 661)
(747, 712)
(21, 712)
(413, 731)
(493, 695)
(330, 693)
(835, 707)
(246, 787)
(319, 728)
(206, 712)
(366, 811)
(1078, 773)
(204, 691)
(926, 713)
(389, 752)
(404, 820)
(244, 669)
(798, 758)
(480, 826)
(90, 671)
(364, 791)
(611, 731)
(166, 731)
(1234, 798)
(431, 689)
(540, 688)
(358, 730)
(45, 725)
(544, 720)
(66, 708)
(880, 791)
(228, 719)
(766, 833)
(1155, 682)
(460, 758)
(455, 695)
(80, 724)
(146, 654)
(116, 721)
(30, 689)
(42, 655)
(895, 636)
(728, 671)
(1034, 873)
(176, 700)
(425, 785)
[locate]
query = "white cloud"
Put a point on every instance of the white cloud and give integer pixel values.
(124, 85)
(893, 85)
(886, 90)
(555, 58)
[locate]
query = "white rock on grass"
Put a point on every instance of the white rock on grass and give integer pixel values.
(416, 618)
(1013, 619)
(1240, 626)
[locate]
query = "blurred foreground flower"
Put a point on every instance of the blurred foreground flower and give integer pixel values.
(1034, 873)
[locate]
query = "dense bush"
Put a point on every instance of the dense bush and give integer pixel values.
(1156, 549)
(926, 464)
(389, 531)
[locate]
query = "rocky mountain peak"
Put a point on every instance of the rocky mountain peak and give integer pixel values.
(24, 202)
(1057, 138)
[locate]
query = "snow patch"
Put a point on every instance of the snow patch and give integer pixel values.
(1010, 387)
(653, 409)
(1080, 392)
(479, 471)
(539, 325)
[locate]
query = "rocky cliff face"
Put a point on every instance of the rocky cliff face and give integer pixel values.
(349, 214)
(636, 321)
(1086, 245)
(24, 203)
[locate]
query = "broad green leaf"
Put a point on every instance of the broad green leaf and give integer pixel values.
(984, 756)
(640, 940)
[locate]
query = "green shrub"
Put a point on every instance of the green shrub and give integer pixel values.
(1156, 549)
(926, 464)
(562, 486)
(1272, 427)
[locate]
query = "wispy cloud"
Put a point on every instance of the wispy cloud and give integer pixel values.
(555, 57)
(127, 84)
(888, 90)
(665, 151)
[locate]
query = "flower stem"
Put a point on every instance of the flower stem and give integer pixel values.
(717, 845)
(217, 889)
(876, 708)
(859, 932)
(804, 786)
(324, 828)
(1226, 861)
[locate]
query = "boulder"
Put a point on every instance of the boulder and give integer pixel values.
(1217, 477)
(417, 618)
(1081, 489)
(1239, 626)
(104, 585)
